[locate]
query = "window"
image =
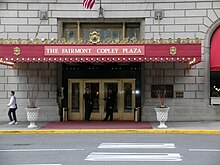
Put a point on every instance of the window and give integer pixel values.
(128, 97)
(75, 97)
(70, 31)
(133, 30)
(215, 84)
(111, 31)
(106, 30)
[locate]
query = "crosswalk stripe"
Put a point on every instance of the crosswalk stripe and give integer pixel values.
(136, 145)
(205, 150)
(108, 156)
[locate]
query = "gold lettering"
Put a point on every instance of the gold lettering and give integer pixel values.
(75, 51)
(107, 51)
(131, 51)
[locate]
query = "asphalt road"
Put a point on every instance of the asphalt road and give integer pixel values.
(99, 149)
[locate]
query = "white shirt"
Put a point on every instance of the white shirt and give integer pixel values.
(12, 102)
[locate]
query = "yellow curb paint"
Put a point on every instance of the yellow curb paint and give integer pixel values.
(112, 131)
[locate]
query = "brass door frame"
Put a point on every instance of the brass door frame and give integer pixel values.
(77, 115)
(120, 115)
(128, 115)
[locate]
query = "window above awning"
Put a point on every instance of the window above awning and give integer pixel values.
(215, 51)
(189, 52)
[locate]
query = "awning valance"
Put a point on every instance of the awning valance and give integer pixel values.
(187, 52)
(215, 51)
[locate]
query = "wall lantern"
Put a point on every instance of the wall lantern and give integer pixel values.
(43, 15)
(158, 14)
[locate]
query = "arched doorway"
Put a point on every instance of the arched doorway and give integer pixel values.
(215, 67)
(215, 51)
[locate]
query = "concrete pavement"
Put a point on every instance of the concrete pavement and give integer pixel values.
(201, 127)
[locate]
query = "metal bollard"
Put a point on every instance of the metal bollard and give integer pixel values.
(65, 114)
(136, 114)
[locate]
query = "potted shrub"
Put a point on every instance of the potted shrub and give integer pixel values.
(161, 110)
(32, 110)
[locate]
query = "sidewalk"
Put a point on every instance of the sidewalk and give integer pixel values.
(202, 127)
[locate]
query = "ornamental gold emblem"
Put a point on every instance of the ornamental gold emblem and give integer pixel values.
(94, 37)
(173, 50)
(17, 51)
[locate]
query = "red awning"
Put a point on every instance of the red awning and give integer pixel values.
(215, 51)
(190, 53)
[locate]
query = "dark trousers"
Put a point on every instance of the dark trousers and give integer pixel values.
(109, 113)
(12, 111)
(87, 113)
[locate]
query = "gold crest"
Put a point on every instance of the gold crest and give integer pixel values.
(17, 51)
(94, 37)
(173, 50)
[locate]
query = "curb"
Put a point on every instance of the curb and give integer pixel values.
(110, 131)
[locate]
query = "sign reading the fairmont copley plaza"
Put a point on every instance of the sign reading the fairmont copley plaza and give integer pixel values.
(94, 50)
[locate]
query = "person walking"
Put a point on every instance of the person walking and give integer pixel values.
(88, 103)
(12, 109)
(109, 105)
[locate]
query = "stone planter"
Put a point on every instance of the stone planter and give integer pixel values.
(162, 116)
(32, 116)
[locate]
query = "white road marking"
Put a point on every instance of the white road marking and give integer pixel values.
(205, 150)
(136, 145)
(38, 164)
(108, 156)
(37, 150)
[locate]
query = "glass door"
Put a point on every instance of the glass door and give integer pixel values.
(75, 102)
(96, 94)
(128, 99)
(123, 91)
(114, 85)
(99, 89)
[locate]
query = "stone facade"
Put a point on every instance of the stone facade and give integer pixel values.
(24, 79)
(181, 19)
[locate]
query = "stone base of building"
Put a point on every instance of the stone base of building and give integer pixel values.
(46, 113)
(182, 110)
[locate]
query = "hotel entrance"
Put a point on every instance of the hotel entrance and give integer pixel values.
(123, 89)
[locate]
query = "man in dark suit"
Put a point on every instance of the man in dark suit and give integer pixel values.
(88, 103)
(110, 100)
